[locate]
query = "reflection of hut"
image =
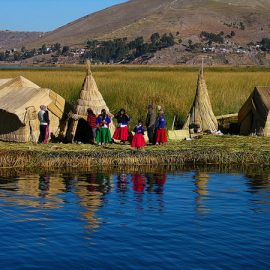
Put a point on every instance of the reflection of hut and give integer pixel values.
(254, 116)
(90, 191)
(201, 181)
(201, 113)
(90, 97)
(20, 100)
(30, 188)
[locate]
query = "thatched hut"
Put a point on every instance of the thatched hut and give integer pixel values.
(20, 100)
(90, 97)
(201, 112)
(254, 116)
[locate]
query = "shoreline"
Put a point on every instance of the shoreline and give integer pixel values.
(210, 150)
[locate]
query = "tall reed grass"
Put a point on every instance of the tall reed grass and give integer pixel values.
(171, 87)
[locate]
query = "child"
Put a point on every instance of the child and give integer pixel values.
(161, 136)
(138, 140)
(121, 133)
(103, 132)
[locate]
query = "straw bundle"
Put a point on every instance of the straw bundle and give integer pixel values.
(201, 112)
(90, 97)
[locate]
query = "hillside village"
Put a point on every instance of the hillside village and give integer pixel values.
(160, 49)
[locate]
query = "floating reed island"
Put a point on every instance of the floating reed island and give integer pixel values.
(228, 150)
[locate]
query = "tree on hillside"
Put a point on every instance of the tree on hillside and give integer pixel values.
(65, 50)
(138, 42)
(155, 39)
(167, 40)
(43, 49)
(265, 44)
(56, 48)
(212, 37)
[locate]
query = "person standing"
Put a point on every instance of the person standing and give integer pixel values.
(150, 123)
(92, 123)
(138, 140)
(43, 117)
(103, 132)
(161, 124)
(121, 132)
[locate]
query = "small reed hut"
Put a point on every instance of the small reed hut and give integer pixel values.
(201, 112)
(20, 100)
(90, 97)
(254, 116)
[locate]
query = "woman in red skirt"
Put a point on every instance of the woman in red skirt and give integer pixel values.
(121, 132)
(161, 136)
(138, 140)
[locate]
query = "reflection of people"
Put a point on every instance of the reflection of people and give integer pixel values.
(161, 136)
(43, 117)
(122, 182)
(160, 181)
(103, 132)
(138, 140)
(138, 182)
(121, 132)
(92, 123)
(44, 184)
(150, 123)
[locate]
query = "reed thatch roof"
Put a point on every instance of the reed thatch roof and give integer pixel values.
(201, 112)
(18, 82)
(17, 94)
(20, 101)
(254, 116)
(90, 97)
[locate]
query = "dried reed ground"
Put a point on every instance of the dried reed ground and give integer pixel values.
(209, 150)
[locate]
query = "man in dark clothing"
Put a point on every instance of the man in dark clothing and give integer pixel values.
(150, 124)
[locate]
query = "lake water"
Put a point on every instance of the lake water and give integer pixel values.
(132, 220)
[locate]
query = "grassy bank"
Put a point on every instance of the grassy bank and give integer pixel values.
(208, 150)
(172, 87)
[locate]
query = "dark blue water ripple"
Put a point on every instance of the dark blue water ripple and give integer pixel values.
(187, 220)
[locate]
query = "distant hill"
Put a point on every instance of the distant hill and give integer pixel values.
(249, 19)
(13, 39)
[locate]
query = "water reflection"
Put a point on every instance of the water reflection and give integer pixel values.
(201, 181)
(101, 218)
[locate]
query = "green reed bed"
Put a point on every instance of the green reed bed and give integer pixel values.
(133, 87)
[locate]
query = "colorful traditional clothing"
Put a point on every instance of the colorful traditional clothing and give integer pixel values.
(161, 136)
(121, 132)
(138, 182)
(92, 123)
(103, 132)
(138, 140)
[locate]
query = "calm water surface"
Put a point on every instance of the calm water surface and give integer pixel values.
(180, 220)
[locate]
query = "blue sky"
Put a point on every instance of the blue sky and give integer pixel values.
(46, 15)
